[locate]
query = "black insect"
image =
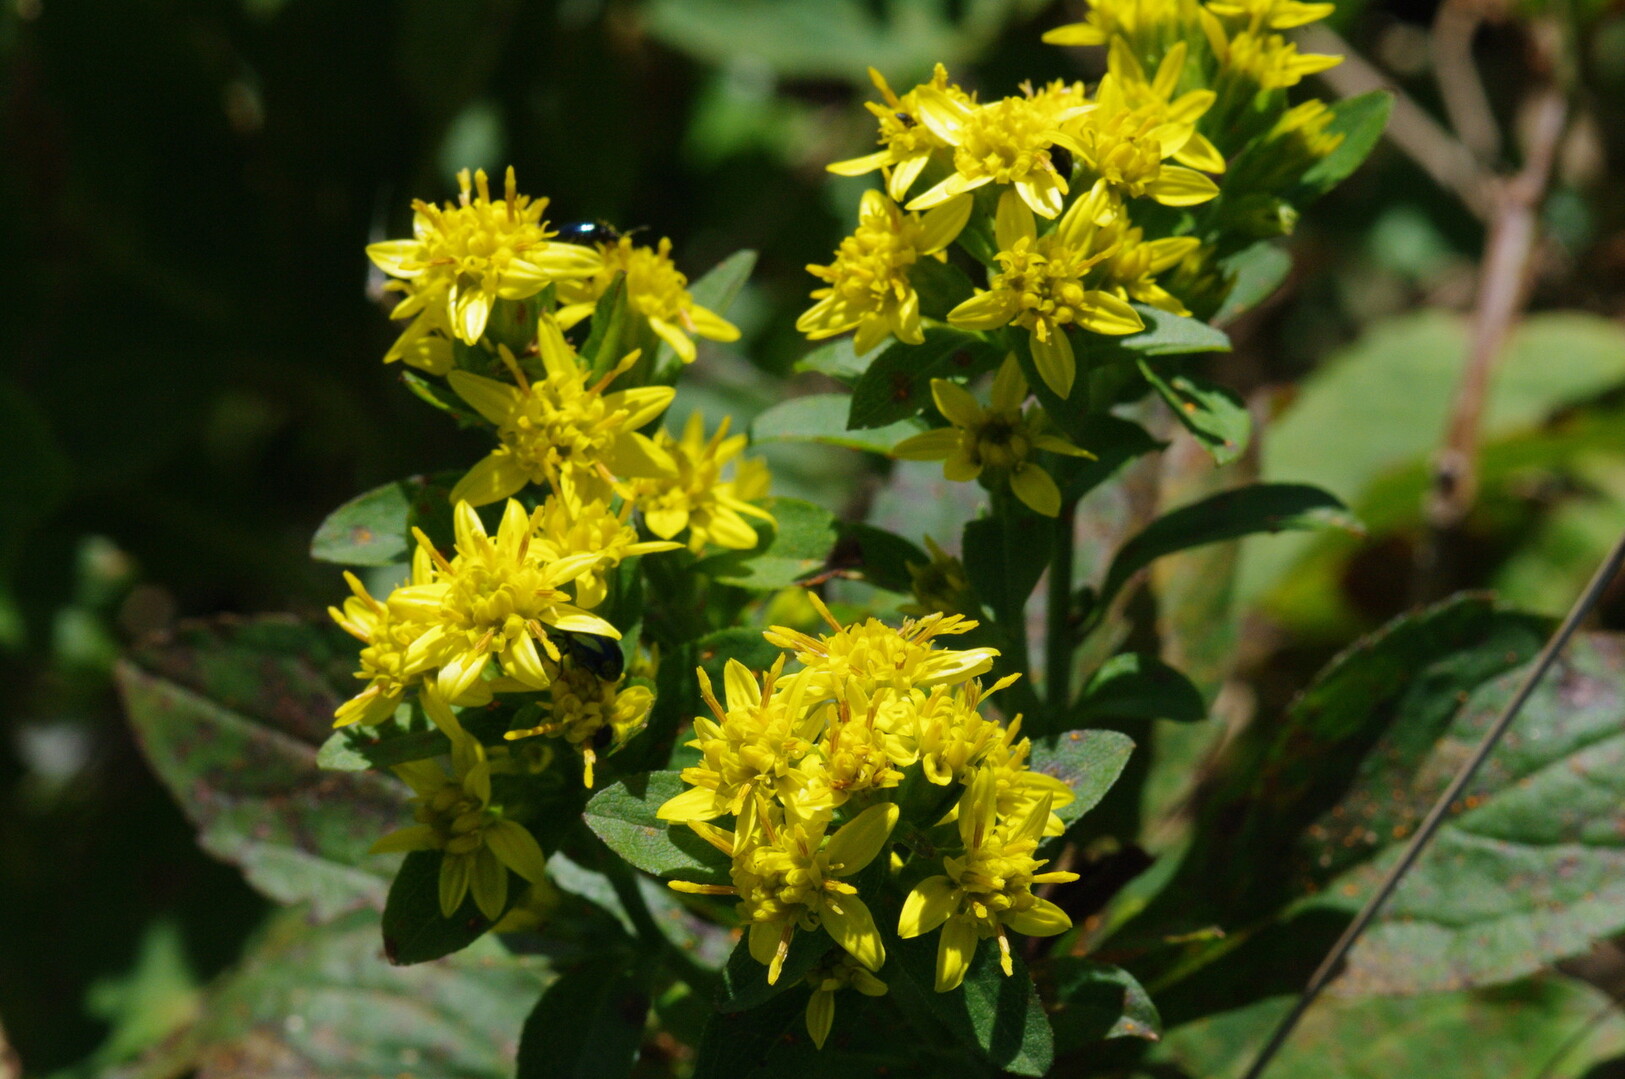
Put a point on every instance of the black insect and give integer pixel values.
(1060, 158)
(905, 119)
(600, 655)
(590, 232)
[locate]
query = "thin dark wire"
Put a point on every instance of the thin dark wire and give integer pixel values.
(1582, 607)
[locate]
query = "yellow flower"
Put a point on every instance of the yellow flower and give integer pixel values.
(569, 525)
(995, 443)
(1041, 284)
(1127, 146)
(908, 142)
(751, 748)
(584, 710)
(873, 655)
(1146, 24)
(655, 289)
(1130, 273)
(988, 889)
(693, 495)
(561, 428)
(867, 737)
(869, 287)
(1155, 97)
(467, 255)
(953, 737)
(788, 877)
(829, 978)
(498, 597)
(1254, 60)
(388, 638)
(426, 341)
(455, 815)
(1271, 14)
(1003, 142)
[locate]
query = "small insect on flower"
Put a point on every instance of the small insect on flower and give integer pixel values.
(590, 233)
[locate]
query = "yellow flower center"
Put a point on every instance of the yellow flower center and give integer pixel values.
(871, 265)
(995, 879)
(457, 817)
(476, 240)
(498, 599)
(1046, 277)
(559, 423)
(1006, 140)
(1120, 148)
(654, 285)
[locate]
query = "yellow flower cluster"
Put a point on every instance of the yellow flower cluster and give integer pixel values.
(808, 766)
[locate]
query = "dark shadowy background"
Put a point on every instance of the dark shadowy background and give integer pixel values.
(190, 375)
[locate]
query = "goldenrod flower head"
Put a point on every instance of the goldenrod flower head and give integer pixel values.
(953, 737)
(1253, 61)
(788, 877)
(583, 709)
(498, 597)
(455, 815)
(987, 889)
(1003, 142)
(467, 255)
(995, 444)
(655, 289)
(867, 737)
(872, 655)
(426, 341)
(1041, 284)
(693, 495)
(1131, 271)
(751, 748)
(561, 429)
(388, 638)
(1150, 26)
(940, 585)
(908, 142)
(1270, 14)
(1129, 146)
(1158, 96)
(869, 287)
(1020, 790)
(568, 525)
(829, 978)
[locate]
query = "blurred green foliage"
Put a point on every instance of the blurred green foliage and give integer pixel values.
(189, 379)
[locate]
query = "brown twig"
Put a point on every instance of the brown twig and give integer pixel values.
(1465, 102)
(1502, 290)
(1426, 141)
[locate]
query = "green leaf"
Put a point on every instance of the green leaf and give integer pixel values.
(1528, 869)
(1087, 761)
(1555, 1027)
(1360, 120)
(837, 360)
(882, 558)
(623, 816)
(1004, 557)
(611, 334)
(941, 286)
(897, 384)
(438, 395)
(797, 546)
(744, 980)
(319, 1000)
(1164, 335)
(1095, 1002)
(736, 1044)
(722, 283)
(357, 748)
(371, 528)
(414, 929)
(1137, 685)
(821, 417)
(1245, 511)
(1215, 414)
(996, 1016)
(1114, 441)
(748, 646)
(588, 1025)
(1257, 271)
(229, 717)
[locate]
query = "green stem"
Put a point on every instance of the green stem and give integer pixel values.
(1058, 638)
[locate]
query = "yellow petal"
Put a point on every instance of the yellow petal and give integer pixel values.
(1179, 186)
(1078, 33)
(454, 873)
(857, 166)
(391, 256)
(523, 662)
(458, 675)
(416, 837)
(820, 1015)
(860, 839)
(942, 224)
(496, 401)
(849, 923)
(696, 803)
(488, 879)
(1052, 355)
(712, 326)
(955, 403)
(1013, 221)
(1009, 387)
(574, 620)
(933, 445)
(1104, 313)
(1042, 919)
(985, 311)
(518, 849)
(905, 172)
(494, 478)
(955, 949)
(471, 309)
(1033, 486)
(927, 906)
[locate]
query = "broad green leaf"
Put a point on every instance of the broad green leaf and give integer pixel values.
(229, 717)
(611, 335)
(721, 284)
(371, 528)
(998, 1017)
(748, 646)
(357, 749)
(897, 385)
(623, 816)
(415, 931)
(319, 1000)
(744, 980)
(1095, 1002)
(941, 286)
(1258, 271)
(588, 1025)
(1245, 511)
(1115, 442)
(1528, 869)
(796, 546)
(1136, 685)
(1554, 1028)
(438, 395)
(1360, 120)
(1004, 557)
(1087, 761)
(1215, 414)
(837, 360)
(822, 417)
(1164, 335)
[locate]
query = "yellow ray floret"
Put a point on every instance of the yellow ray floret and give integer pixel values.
(655, 289)
(907, 142)
(694, 495)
